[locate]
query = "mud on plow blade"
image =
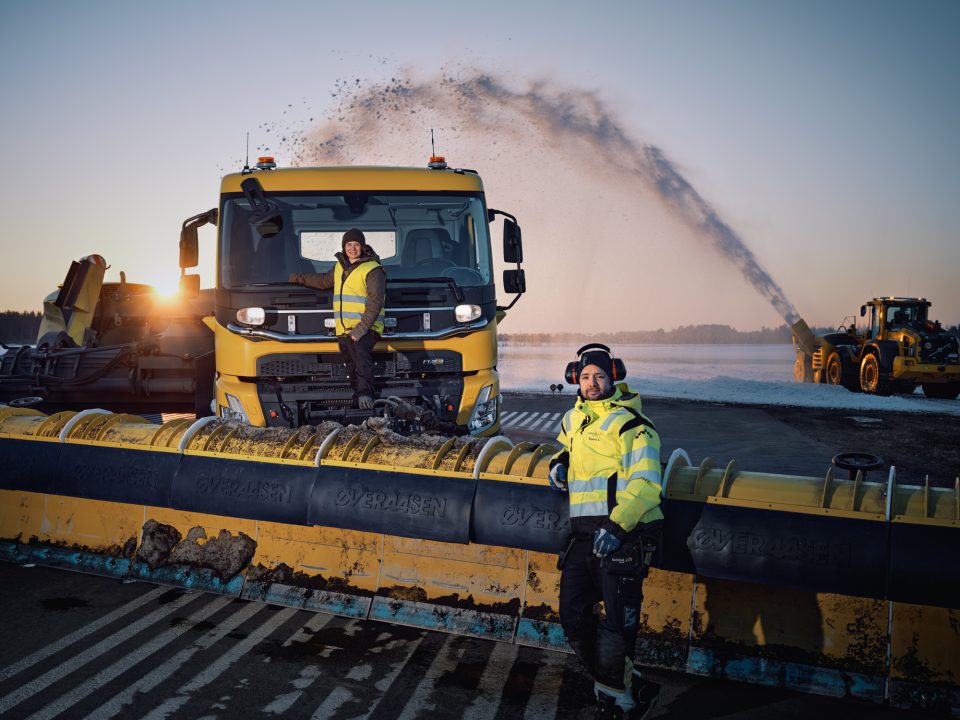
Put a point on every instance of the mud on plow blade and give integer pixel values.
(843, 587)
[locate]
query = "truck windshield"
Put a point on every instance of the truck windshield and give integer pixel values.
(416, 236)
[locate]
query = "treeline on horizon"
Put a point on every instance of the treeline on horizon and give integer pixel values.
(19, 327)
(683, 335)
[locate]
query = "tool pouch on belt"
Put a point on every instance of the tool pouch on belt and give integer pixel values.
(633, 557)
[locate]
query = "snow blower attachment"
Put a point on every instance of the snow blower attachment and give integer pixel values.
(831, 585)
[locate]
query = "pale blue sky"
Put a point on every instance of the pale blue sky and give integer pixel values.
(825, 133)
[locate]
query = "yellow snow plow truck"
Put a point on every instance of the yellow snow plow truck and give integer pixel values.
(277, 358)
(277, 362)
(897, 349)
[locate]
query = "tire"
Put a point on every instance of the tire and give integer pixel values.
(833, 375)
(873, 380)
(802, 368)
(941, 391)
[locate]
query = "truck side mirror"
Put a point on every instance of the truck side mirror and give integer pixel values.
(189, 252)
(189, 255)
(189, 286)
(514, 281)
(512, 242)
(863, 311)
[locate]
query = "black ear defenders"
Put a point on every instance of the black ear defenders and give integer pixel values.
(618, 369)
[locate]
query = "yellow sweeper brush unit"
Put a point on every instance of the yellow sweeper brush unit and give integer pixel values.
(830, 585)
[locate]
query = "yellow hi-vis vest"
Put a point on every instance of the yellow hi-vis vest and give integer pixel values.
(350, 297)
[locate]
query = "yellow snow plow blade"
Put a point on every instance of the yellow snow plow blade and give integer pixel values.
(830, 585)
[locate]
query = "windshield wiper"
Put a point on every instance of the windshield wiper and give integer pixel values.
(448, 281)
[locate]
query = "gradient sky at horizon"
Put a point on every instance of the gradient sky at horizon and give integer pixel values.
(824, 133)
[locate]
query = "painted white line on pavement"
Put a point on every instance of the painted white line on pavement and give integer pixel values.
(533, 417)
(514, 420)
(492, 682)
(67, 667)
(220, 665)
(334, 701)
(384, 683)
(89, 629)
(545, 693)
(552, 422)
(442, 662)
(507, 416)
(281, 703)
(162, 672)
(68, 700)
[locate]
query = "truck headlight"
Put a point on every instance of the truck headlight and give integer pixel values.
(485, 411)
(466, 313)
(234, 411)
(252, 315)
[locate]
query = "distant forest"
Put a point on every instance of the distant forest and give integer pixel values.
(19, 328)
(683, 335)
(22, 327)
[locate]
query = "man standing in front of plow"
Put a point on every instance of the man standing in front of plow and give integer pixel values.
(610, 467)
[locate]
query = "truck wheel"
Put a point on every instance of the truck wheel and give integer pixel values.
(834, 373)
(872, 379)
(802, 368)
(941, 391)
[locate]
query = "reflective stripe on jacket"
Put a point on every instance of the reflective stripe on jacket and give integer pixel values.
(613, 452)
(350, 297)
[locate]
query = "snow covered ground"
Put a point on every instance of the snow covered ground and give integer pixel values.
(748, 374)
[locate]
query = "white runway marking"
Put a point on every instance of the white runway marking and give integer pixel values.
(492, 682)
(162, 672)
(545, 693)
(533, 417)
(54, 648)
(67, 667)
(442, 663)
(68, 700)
(384, 683)
(220, 665)
(281, 703)
(514, 420)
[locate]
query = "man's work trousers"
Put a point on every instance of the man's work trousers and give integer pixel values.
(359, 358)
(602, 644)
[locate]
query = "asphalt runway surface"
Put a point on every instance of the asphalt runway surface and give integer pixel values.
(79, 646)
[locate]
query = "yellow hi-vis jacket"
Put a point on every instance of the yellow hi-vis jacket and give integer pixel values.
(613, 456)
(350, 296)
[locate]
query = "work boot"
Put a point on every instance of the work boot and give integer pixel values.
(365, 402)
(607, 708)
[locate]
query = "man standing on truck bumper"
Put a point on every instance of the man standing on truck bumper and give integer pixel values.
(359, 291)
(610, 467)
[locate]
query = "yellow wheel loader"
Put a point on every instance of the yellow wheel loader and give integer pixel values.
(897, 349)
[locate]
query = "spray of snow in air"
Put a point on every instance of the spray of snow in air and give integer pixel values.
(534, 130)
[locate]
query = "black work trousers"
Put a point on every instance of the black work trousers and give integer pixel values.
(601, 644)
(359, 358)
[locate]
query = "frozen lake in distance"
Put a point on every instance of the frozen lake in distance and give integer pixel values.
(746, 374)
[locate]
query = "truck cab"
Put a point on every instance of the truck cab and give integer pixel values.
(277, 358)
